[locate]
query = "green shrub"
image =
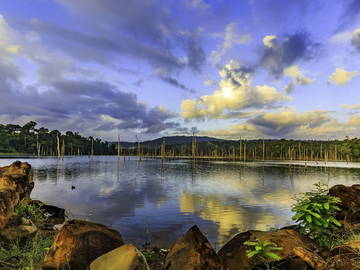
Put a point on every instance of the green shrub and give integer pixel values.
(314, 212)
(263, 250)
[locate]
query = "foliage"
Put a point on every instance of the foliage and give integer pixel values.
(28, 139)
(30, 211)
(314, 212)
(263, 250)
(26, 255)
(31, 140)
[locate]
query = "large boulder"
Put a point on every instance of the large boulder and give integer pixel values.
(126, 257)
(233, 254)
(349, 196)
(15, 184)
(192, 252)
(19, 173)
(78, 243)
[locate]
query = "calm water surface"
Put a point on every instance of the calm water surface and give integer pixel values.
(146, 203)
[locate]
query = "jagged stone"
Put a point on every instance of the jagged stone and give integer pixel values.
(19, 173)
(15, 184)
(78, 243)
(126, 257)
(192, 251)
(233, 254)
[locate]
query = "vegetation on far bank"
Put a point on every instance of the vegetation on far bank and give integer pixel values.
(31, 140)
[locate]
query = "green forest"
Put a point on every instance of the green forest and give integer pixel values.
(30, 140)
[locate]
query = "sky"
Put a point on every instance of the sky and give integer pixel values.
(151, 68)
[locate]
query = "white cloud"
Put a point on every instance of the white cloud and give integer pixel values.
(291, 124)
(236, 92)
(351, 107)
(8, 38)
(297, 76)
(355, 121)
(341, 77)
(231, 37)
(269, 41)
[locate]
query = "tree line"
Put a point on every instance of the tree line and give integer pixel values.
(249, 150)
(28, 139)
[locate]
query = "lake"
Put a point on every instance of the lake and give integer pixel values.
(149, 203)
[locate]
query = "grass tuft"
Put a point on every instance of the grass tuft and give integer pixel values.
(25, 255)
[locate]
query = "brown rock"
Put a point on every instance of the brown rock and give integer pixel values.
(126, 257)
(19, 173)
(349, 196)
(78, 243)
(352, 219)
(15, 183)
(233, 254)
(8, 199)
(192, 251)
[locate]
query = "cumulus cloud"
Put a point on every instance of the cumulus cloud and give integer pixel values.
(298, 78)
(278, 55)
(231, 37)
(102, 106)
(355, 121)
(269, 41)
(290, 124)
(341, 77)
(282, 123)
(236, 92)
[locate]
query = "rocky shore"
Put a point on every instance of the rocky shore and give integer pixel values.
(81, 245)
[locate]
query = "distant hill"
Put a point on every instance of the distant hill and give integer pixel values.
(171, 140)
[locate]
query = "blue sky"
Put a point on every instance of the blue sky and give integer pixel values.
(249, 68)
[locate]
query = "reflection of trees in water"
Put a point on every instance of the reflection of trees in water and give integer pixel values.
(226, 197)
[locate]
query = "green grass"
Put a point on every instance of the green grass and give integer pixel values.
(28, 255)
(30, 211)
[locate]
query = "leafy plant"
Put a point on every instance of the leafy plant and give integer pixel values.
(314, 212)
(263, 250)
